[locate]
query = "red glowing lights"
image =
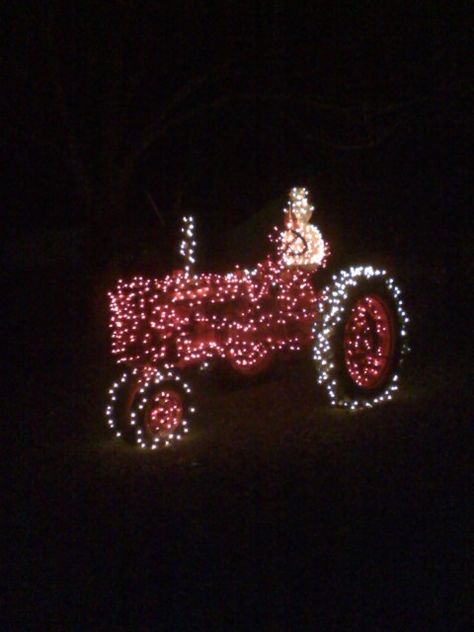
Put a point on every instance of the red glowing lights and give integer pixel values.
(187, 319)
(159, 327)
(164, 413)
(368, 342)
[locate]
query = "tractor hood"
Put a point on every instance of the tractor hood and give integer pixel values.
(147, 315)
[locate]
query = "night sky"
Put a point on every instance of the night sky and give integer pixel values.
(370, 107)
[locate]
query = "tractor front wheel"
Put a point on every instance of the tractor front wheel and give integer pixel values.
(150, 408)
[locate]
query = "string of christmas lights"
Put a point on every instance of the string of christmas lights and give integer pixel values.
(303, 245)
(188, 244)
(159, 327)
(187, 319)
(158, 414)
(333, 308)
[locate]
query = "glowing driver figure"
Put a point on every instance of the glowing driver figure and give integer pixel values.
(303, 245)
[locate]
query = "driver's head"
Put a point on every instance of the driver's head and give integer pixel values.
(299, 209)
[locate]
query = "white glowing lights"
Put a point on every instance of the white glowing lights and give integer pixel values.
(302, 242)
(115, 392)
(159, 407)
(188, 244)
(189, 319)
(159, 327)
(333, 309)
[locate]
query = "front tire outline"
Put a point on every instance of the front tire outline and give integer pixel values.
(126, 409)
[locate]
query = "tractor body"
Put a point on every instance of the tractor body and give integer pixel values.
(186, 319)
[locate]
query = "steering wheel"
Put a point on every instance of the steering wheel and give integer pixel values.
(297, 236)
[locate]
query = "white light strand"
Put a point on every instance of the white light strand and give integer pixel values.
(332, 309)
(188, 244)
(188, 319)
(302, 242)
(148, 379)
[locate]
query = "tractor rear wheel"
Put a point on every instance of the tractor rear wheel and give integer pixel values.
(361, 339)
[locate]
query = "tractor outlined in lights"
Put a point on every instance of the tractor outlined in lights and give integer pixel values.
(160, 328)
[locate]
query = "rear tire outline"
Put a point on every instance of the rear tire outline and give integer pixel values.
(336, 304)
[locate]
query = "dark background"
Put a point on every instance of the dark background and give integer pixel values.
(277, 513)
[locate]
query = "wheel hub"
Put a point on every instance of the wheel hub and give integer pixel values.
(368, 342)
(165, 412)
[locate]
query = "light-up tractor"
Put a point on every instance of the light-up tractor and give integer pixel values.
(249, 319)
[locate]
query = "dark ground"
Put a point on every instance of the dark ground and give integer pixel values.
(276, 514)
